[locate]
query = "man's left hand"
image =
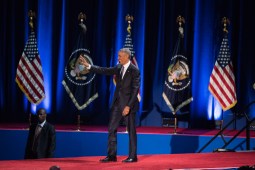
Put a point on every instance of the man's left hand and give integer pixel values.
(126, 111)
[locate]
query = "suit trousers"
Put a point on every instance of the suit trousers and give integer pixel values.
(116, 116)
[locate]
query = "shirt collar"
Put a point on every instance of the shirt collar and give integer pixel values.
(42, 124)
(126, 65)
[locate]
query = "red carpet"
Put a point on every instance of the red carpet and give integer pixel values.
(221, 160)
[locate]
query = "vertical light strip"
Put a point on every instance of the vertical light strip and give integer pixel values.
(45, 47)
(119, 40)
(139, 42)
(203, 58)
(61, 59)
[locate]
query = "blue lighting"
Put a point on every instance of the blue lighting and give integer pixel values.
(214, 110)
(217, 111)
(139, 39)
(209, 108)
(119, 40)
(61, 61)
(203, 61)
(139, 42)
(45, 47)
(33, 108)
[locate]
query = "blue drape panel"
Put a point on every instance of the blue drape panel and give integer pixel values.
(154, 36)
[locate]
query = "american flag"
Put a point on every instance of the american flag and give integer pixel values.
(29, 75)
(222, 80)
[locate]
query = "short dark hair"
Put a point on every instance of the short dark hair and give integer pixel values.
(55, 167)
(42, 110)
(127, 51)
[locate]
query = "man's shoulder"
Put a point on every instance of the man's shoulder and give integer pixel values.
(133, 67)
(47, 124)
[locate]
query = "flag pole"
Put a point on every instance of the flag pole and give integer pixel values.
(81, 18)
(30, 119)
(175, 123)
(180, 20)
(78, 122)
(129, 19)
(225, 21)
(31, 15)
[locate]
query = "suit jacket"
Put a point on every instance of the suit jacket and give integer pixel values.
(127, 88)
(45, 142)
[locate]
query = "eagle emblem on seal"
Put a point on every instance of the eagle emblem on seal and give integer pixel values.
(177, 72)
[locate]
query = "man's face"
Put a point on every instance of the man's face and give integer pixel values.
(41, 114)
(123, 57)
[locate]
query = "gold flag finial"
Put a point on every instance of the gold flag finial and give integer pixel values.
(129, 19)
(180, 20)
(31, 15)
(225, 21)
(81, 17)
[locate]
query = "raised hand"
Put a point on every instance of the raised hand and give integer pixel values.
(83, 61)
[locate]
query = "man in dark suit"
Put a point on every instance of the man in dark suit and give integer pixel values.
(41, 139)
(125, 102)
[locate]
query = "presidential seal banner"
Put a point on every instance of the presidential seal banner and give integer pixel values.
(177, 86)
(79, 83)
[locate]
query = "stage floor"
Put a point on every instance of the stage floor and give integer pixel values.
(227, 160)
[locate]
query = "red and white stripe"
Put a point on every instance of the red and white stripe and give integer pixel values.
(30, 78)
(222, 85)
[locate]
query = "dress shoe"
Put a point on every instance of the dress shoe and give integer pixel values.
(128, 160)
(109, 159)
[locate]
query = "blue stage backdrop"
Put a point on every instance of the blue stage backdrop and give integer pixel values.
(154, 33)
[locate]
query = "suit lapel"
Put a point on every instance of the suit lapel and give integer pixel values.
(127, 72)
(44, 128)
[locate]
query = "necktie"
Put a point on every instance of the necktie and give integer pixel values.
(122, 72)
(38, 130)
